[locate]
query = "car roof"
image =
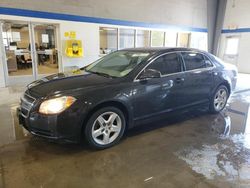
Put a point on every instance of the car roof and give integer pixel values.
(160, 50)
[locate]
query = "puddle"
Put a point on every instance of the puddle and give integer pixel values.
(1, 175)
(242, 96)
(228, 157)
(10, 128)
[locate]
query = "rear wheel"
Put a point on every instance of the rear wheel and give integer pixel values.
(219, 99)
(105, 128)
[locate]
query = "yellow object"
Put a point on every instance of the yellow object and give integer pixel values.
(76, 72)
(72, 34)
(66, 34)
(74, 48)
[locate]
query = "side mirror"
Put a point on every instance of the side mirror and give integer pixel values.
(149, 73)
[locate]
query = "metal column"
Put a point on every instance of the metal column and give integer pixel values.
(215, 18)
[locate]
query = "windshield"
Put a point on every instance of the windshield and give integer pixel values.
(117, 64)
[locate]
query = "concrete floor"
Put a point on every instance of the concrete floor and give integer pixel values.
(47, 68)
(194, 149)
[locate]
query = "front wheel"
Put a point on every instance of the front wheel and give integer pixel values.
(219, 99)
(105, 128)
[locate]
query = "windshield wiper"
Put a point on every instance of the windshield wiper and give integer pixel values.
(100, 73)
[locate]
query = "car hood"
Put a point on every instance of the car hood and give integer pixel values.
(62, 82)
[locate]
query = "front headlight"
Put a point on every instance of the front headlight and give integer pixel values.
(56, 105)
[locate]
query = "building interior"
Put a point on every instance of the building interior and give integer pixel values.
(57, 39)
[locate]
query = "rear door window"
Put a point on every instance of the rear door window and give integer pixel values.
(193, 60)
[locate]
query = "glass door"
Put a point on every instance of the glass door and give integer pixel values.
(45, 47)
(231, 50)
(29, 51)
(19, 66)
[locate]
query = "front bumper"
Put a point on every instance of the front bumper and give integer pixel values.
(55, 127)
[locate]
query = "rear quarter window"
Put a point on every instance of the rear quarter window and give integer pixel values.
(208, 62)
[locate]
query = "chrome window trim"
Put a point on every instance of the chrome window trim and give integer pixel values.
(201, 68)
(165, 75)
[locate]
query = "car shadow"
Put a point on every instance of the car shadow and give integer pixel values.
(170, 120)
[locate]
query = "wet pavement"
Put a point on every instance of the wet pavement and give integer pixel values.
(193, 149)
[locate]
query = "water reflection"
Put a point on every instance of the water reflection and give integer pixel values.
(229, 156)
(221, 124)
(239, 112)
(10, 129)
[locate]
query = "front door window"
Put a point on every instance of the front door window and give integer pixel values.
(167, 64)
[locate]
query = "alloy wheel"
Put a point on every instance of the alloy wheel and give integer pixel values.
(220, 99)
(106, 128)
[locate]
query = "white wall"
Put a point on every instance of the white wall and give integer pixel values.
(237, 14)
(237, 17)
(181, 12)
(89, 34)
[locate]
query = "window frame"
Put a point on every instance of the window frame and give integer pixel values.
(136, 78)
(208, 59)
(162, 75)
(203, 54)
(179, 59)
(136, 38)
(117, 38)
(178, 39)
(151, 39)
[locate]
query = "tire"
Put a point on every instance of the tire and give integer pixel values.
(219, 99)
(105, 128)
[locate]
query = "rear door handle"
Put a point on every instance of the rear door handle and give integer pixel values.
(179, 80)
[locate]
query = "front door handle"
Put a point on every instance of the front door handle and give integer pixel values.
(179, 80)
(168, 85)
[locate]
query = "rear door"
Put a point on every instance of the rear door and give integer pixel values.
(198, 77)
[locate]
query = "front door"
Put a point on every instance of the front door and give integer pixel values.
(159, 95)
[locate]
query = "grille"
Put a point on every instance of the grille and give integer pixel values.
(27, 103)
